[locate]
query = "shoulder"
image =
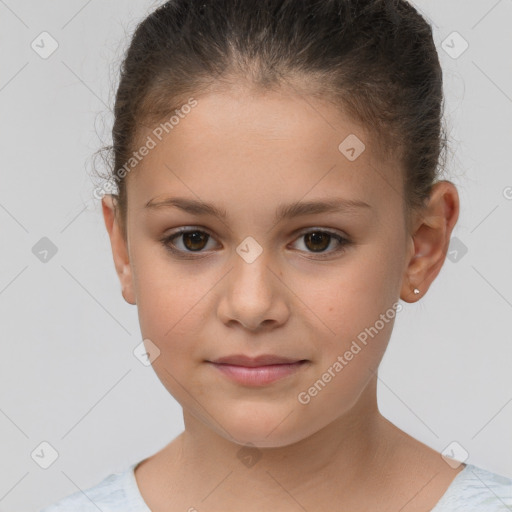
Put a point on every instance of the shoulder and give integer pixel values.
(115, 493)
(477, 489)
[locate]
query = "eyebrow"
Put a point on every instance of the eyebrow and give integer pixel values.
(288, 211)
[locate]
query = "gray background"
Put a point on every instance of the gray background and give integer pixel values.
(68, 375)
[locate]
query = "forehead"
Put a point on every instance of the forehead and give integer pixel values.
(279, 146)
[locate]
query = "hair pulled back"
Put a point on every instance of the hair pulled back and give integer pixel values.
(373, 59)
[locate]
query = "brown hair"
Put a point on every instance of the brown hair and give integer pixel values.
(375, 60)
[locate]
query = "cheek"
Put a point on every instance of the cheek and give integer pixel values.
(352, 297)
(354, 310)
(169, 308)
(168, 299)
(174, 302)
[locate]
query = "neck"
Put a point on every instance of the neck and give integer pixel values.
(349, 446)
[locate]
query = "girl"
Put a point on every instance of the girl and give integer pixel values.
(277, 197)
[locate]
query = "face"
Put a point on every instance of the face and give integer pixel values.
(318, 286)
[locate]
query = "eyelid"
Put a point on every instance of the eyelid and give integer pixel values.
(343, 241)
(296, 233)
(330, 231)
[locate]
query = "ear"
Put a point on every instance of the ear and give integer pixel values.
(119, 248)
(430, 240)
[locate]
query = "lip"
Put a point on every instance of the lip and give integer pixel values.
(262, 360)
(257, 371)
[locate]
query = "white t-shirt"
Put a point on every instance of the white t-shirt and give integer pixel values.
(473, 490)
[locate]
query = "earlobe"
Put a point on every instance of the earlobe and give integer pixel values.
(430, 240)
(119, 248)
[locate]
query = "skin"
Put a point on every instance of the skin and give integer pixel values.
(249, 153)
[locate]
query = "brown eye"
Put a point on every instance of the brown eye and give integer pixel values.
(192, 240)
(195, 240)
(317, 241)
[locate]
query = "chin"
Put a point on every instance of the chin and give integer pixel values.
(262, 428)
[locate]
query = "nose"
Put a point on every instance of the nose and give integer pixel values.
(253, 296)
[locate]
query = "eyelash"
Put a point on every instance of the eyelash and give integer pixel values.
(167, 242)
